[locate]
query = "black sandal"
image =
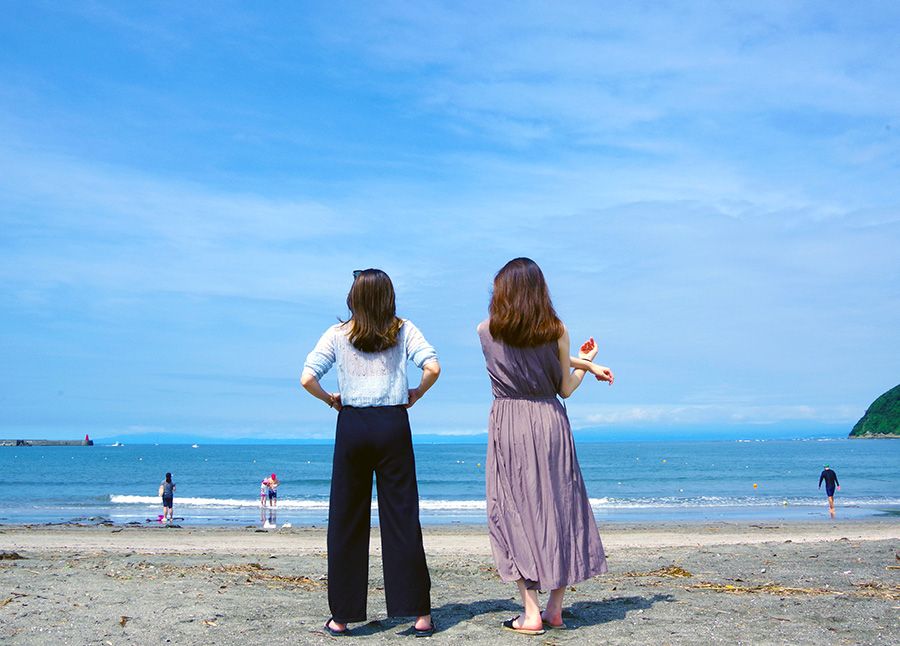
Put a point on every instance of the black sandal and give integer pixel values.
(425, 632)
(511, 626)
(333, 632)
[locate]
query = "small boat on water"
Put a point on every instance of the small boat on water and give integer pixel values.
(117, 444)
(195, 446)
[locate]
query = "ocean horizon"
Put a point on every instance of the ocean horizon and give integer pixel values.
(628, 433)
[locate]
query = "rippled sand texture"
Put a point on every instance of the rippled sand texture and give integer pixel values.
(677, 584)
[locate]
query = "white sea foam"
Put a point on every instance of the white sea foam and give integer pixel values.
(738, 501)
(118, 499)
(431, 505)
(480, 505)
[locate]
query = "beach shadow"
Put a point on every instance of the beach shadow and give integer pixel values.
(594, 613)
(451, 614)
(446, 616)
(372, 627)
(403, 626)
(577, 615)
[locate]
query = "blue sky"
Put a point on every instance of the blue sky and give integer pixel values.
(185, 189)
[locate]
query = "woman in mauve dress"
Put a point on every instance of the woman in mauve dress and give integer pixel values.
(542, 529)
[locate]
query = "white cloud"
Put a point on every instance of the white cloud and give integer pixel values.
(680, 414)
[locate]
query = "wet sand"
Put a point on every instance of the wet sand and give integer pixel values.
(754, 583)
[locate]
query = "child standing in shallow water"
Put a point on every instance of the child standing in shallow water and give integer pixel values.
(263, 491)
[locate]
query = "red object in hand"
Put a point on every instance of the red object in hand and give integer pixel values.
(588, 345)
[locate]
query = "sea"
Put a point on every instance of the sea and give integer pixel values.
(627, 482)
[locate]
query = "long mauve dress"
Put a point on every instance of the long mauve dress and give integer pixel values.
(540, 521)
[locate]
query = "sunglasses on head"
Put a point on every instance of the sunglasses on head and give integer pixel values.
(357, 272)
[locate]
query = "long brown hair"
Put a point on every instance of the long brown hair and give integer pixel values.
(522, 313)
(374, 325)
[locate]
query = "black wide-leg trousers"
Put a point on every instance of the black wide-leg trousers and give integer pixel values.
(375, 440)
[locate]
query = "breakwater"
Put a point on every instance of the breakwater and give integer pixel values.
(85, 442)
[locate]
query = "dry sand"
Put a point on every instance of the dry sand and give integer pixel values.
(757, 583)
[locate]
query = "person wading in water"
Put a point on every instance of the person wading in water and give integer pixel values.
(831, 481)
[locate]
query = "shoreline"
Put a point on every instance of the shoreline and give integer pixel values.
(470, 538)
(191, 515)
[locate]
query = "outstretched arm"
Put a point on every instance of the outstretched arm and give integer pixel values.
(602, 373)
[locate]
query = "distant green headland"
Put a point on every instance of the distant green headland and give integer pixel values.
(882, 419)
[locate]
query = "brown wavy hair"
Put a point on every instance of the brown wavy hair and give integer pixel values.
(521, 312)
(373, 312)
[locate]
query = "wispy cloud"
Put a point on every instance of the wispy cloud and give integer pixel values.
(629, 65)
(709, 188)
(119, 229)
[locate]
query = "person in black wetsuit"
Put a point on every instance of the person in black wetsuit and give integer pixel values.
(831, 481)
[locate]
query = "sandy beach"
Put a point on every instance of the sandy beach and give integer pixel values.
(758, 583)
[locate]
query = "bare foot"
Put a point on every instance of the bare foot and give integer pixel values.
(336, 626)
(423, 622)
(552, 618)
(520, 622)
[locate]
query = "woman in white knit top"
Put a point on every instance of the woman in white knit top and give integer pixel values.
(373, 437)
